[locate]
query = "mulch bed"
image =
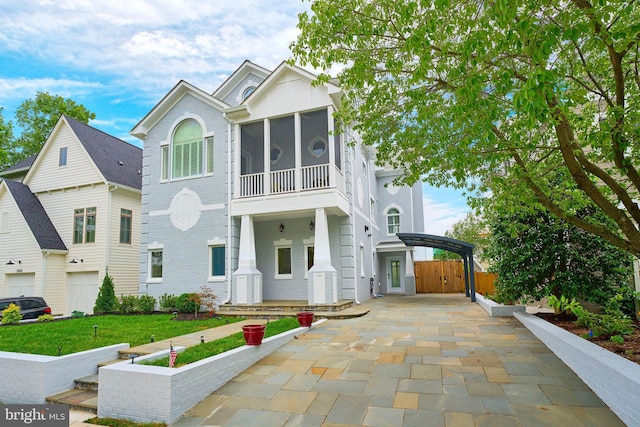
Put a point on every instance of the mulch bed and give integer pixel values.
(630, 349)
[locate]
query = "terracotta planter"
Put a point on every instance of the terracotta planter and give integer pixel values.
(305, 318)
(253, 334)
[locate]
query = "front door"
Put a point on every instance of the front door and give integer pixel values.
(394, 276)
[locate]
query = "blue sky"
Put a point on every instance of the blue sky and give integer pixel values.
(119, 58)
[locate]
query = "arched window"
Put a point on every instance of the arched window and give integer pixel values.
(187, 149)
(248, 91)
(393, 221)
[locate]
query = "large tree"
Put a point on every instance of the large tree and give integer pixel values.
(38, 116)
(471, 229)
(6, 139)
(503, 96)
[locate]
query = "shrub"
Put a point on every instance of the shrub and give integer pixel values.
(45, 318)
(106, 302)
(11, 315)
(146, 304)
(76, 314)
(128, 304)
(611, 322)
(186, 303)
(168, 303)
(562, 305)
(208, 299)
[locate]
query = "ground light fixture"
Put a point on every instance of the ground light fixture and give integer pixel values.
(95, 331)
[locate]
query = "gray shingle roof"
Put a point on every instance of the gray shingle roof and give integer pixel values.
(34, 214)
(118, 161)
(20, 166)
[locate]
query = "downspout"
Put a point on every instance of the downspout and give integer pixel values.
(229, 188)
(107, 246)
(43, 270)
(353, 235)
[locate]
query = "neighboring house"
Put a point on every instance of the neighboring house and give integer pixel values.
(257, 192)
(74, 215)
(18, 171)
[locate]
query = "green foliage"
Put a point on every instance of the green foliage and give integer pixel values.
(38, 116)
(563, 305)
(106, 302)
(536, 255)
(494, 97)
(617, 339)
(611, 322)
(146, 304)
(45, 318)
(187, 303)
(168, 303)
(128, 304)
(11, 315)
(208, 349)
(472, 229)
(117, 422)
(6, 139)
(77, 313)
(75, 335)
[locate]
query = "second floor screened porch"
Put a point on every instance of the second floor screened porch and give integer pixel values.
(287, 154)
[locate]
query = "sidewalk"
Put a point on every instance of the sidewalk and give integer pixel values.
(425, 360)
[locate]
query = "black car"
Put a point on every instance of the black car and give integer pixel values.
(30, 307)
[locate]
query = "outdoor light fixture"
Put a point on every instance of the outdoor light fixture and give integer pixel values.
(59, 350)
(95, 331)
(132, 356)
(201, 339)
(76, 260)
(281, 227)
(311, 225)
(153, 338)
(12, 262)
(366, 228)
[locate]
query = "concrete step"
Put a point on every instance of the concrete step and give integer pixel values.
(77, 399)
(90, 382)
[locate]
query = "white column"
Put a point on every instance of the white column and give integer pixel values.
(247, 279)
(322, 277)
(247, 250)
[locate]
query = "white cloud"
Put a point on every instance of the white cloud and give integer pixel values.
(440, 214)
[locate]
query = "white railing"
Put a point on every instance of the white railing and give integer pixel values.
(315, 177)
(251, 185)
(283, 181)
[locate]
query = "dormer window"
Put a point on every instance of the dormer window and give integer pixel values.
(62, 158)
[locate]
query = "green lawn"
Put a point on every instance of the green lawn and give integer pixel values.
(74, 335)
(208, 349)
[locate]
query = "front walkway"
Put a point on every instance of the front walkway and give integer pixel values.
(425, 360)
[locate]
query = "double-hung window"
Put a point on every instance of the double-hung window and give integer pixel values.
(84, 225)
(187, 150)
(125, 226)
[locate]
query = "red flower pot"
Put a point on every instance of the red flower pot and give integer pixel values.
(253, 334)
(305, 318)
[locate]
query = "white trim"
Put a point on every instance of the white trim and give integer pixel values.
(308, 243)
(154, 247)
(211, 244)
(277, 275)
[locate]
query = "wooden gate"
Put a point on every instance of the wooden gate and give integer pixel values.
(439, 276)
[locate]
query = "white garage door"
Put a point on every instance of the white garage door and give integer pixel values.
(20, 284)
(82, 291)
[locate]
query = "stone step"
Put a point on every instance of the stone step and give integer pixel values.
(284, 308)
(77, 399)
(90, 382)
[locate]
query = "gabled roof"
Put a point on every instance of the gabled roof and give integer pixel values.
(118, 161)
(236, 77)
(20, 167)
(35, 216)
(168, 101)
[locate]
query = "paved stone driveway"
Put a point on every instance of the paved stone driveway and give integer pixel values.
(425, 360)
